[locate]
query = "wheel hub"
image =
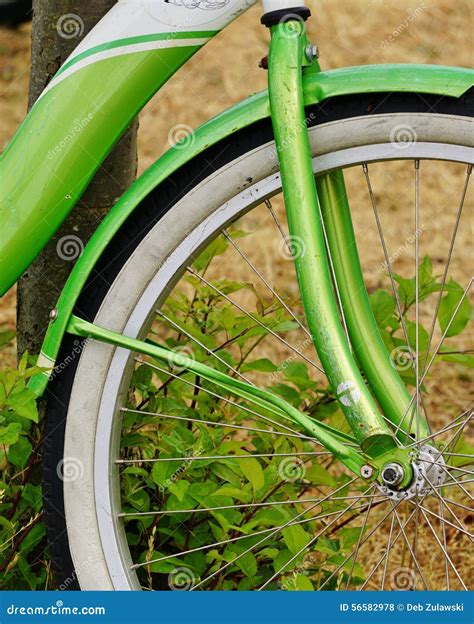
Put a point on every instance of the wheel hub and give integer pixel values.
(428, 472)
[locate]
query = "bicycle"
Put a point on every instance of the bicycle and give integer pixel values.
(141, 365)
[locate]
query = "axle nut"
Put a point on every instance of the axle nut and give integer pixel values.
(392, 474)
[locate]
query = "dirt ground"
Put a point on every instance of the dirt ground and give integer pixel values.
(226, 70)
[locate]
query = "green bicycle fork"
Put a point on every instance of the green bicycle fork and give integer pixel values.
(305, 205)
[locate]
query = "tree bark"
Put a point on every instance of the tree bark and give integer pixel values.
(58, 27)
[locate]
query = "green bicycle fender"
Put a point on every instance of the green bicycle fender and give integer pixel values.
(318, 86)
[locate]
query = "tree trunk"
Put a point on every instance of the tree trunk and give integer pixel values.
(58, 27)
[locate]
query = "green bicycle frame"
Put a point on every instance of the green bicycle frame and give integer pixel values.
(85, 110)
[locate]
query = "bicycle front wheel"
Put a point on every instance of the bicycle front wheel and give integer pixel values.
(156, 479)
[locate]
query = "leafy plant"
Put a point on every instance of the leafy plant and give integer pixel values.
(280, 474)
(22, 534)
(210, 324)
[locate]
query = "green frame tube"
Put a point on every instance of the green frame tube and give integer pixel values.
(372, 356)
(285, 62)
(331, 439)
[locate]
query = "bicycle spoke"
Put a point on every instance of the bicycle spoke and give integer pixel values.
(443, 430)
(447, 264)
(359, 539)
(210, 422)
(274, 532)
(192, 458)
(267, 284)
(341, 565)
(254, 319)
(387, 552)
(306, 547)
(417, 297)
(395, 539)
(448, 522)
(388, 261)
(445, 546)
(181, 330)
(448, 558)
(426, 371)
(241, 537)
(446, 468)
(297, 501)
(233, 403)
(407, 542)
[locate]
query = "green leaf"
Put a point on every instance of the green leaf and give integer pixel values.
(6, 337)
(179, 488)
(19, 453)
(33, 538)
(296, 369)
(319, 475)
(327, 546)
(447, 308)
(349, 536)
(288, 393)
(23, 402)
(302, 583)
(216, 248)
(423, 337)
(253, 472)
(248, 564)
(236, 493)
(383, 307)
(263, 365)
(457, 358)
(10, 434)
(295, 538)
(162, 472)
(31, 495)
